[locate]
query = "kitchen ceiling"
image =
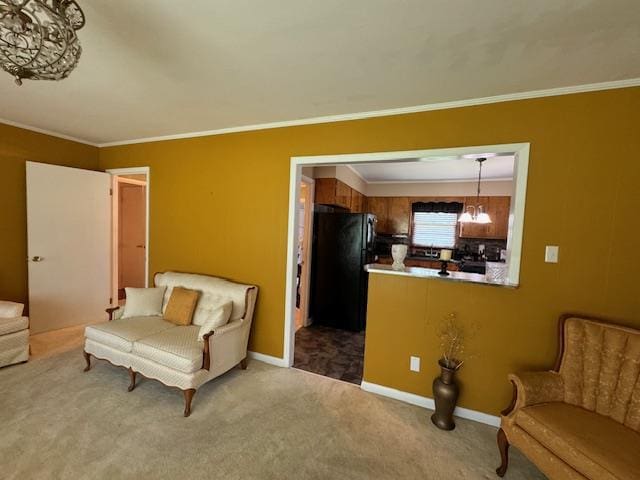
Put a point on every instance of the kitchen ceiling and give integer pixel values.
(159, 67)
(437, 170)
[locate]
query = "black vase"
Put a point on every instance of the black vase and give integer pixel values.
(445, 394)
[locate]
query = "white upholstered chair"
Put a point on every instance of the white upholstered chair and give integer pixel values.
(14, 334)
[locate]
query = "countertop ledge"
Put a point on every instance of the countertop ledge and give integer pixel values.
(419, 272)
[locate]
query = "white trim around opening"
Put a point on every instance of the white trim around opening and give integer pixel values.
(133, 171)
(516, 216)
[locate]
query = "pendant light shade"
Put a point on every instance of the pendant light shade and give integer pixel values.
(483, 218)
(466, 217)
(478, 215)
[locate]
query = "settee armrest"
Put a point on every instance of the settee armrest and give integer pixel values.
(211, 337)
(532, 388)
(114, 312)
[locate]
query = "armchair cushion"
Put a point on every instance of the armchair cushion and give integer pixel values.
(537, 387)
(592, 444)
(176, 348)
(121, 333)
(10, 325)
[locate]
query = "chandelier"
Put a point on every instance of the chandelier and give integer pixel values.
(478, 215)
(38, 38)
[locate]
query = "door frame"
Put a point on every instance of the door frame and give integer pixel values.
(516, 213)
(308, 239)
(115, 172)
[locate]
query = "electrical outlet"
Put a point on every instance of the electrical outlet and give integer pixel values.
(414, 364)
(551, 254)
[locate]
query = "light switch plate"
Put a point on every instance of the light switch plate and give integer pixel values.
(551, 254)
(414, 364)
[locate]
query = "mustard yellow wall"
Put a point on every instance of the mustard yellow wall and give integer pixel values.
(16, 147)
(219, 205)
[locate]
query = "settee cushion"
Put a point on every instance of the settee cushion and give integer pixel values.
(10, 325)
(143, 302)
(10, 309)
(176, 348)
(181, 306)
(214, 292)
(120, 334)
(592, 444)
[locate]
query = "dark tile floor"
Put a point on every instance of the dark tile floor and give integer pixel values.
(330, 352)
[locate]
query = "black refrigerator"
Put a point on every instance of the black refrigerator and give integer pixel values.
(342, 246)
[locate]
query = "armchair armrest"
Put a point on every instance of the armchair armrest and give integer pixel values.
(218, 332)
(532, 388)
(113, 313)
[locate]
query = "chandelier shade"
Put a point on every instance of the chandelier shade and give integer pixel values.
(38, 38)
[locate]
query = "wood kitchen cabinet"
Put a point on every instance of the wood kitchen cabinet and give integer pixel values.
(379, 207)
(393, 213)
(398, 214)
(498, 210)
(357, 202)
(331, 191)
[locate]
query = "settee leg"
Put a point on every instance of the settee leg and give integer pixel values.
(503, 446)
(132, 377)
(243, 363)
(188, 396)
(87, 358)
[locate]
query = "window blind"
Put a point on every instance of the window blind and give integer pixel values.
(434, 228)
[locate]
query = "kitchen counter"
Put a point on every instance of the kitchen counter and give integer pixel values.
(432, 273)
(418, 257)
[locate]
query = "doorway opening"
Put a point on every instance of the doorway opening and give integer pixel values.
(335, 242)
(130, 230)
(329, 339)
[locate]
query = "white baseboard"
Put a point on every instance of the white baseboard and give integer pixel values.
(427, 402)
(261, 357)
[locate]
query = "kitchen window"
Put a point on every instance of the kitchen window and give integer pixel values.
(434, 224)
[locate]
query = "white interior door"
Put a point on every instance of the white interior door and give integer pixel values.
(69, 245)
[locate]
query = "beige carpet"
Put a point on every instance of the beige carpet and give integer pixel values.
(263, 423)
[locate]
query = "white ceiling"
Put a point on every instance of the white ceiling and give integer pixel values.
(437, 170)
(161, 67)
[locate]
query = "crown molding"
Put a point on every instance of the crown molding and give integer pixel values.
(419, 182)
(47, 132)
(550, 92)
(357, 173)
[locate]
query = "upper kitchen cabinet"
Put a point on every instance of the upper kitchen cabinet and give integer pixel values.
(399, 214)
(393, 213)
(498, 210)
(357, 201)
(379, 207)
(331, 191)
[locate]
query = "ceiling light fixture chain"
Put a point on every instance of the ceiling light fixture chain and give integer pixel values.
(38, 38)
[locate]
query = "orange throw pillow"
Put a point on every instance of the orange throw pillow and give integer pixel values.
(181, 306)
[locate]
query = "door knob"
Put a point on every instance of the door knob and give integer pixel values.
(37, 259)
(139, 246)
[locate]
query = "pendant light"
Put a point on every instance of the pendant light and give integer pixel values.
(478, 215)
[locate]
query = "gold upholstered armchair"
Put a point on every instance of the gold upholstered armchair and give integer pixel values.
(582, 419)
